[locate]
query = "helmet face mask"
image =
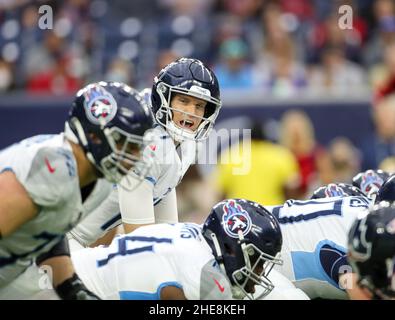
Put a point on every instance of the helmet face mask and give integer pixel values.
(126, 155)
(245, 240)
(258, 266)
(166, 86)
(111, 122)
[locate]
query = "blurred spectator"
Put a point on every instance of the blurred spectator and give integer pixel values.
(245, 9)
(59, 80)
(381, 144)
(345, 160)
(6, 76)
(120, 70)
(328, 33)
(278, 67)
(272, 171)
(299, 9)
(382, 75)
(388, 165)
(165, 57)
(234, 71)
(42, 57)
(239, 19)
(275, 34)
(384, 32)
(297, 134)
(336, 74)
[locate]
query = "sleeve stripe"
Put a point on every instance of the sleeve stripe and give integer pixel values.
(150, 179)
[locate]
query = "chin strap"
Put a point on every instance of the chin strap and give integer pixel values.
(218, 252)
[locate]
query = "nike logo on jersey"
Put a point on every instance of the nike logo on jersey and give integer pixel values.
(50, 169)
(221, 288)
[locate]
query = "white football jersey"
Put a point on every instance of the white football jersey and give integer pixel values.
(46, 167)
(140, 264)
(283, 289)
(315, 241)
(169, 166)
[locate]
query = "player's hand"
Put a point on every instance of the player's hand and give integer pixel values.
(74, 289)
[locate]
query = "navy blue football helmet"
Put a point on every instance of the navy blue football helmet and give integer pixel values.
(111, 122)
(387, 190)
(370, 181)
(189, 77)
(371, 250)
(336, 190)
(245, 239)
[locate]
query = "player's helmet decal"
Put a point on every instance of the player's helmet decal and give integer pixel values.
(332, 190)
(370, 179)
(235, 219)
(100, 105)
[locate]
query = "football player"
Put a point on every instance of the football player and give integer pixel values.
(185, 100)
(315, 241)
(227, 257)
(371, 253)
(48, 183)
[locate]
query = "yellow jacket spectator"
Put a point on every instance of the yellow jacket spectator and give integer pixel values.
(264, 172)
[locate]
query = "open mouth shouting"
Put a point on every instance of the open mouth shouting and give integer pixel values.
(187, 124)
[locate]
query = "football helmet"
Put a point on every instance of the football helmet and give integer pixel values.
(246, 240)
(371, 250)
(111, 122)
(189, 77)
(387, 191)
(370, 181)
(336, 190)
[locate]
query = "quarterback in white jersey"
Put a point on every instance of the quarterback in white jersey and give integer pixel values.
(315, 241)
(49, 183)
(155, 196)
(185, 100)
(231, 254)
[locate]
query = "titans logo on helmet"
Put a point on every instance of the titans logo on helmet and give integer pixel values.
(369, 180)
(332, 190)
(99, 105)
(235, 219)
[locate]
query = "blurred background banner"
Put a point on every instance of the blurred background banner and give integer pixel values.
(320, 85)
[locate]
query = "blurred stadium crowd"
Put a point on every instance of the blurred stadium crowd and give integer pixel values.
(280, 47)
